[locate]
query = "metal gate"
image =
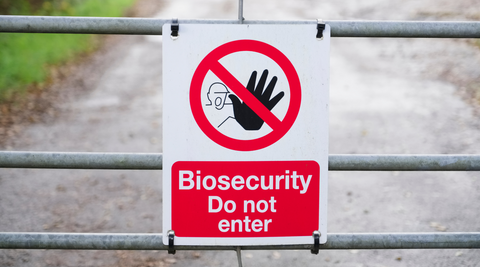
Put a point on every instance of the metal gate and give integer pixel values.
(129, 161)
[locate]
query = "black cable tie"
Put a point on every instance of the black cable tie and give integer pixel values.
(175, 27)
(171, 237)
(320, 28)
(316, 242)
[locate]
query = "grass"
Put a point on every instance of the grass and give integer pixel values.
(25, 59)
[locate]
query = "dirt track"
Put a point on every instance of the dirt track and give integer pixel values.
(387, 96)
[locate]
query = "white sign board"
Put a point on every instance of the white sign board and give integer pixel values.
(245, 134)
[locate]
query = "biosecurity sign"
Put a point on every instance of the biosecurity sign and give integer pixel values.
(245, 134)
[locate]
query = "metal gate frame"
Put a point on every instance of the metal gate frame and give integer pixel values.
(134, 161)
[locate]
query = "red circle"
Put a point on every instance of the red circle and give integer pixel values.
(240, 46)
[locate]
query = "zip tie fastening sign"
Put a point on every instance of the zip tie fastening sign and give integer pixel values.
(320, 28)
(175, 27)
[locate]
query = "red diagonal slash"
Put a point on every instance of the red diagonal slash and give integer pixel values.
(252, 102)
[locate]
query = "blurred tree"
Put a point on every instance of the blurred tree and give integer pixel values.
(30, 7)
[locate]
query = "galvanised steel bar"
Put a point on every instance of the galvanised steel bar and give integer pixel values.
(407, 29)
(404, 162)
(153, 161)
(149, 26)
(240, 12)
(84, 25)
(69, 160)
(403, 241)
(154, 242)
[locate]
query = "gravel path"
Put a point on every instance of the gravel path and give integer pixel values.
(387, 96)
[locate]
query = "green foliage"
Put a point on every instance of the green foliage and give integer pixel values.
(26, 58)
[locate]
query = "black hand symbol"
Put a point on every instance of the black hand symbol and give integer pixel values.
(244, 115)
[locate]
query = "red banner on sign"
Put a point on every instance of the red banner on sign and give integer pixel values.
(245, 199)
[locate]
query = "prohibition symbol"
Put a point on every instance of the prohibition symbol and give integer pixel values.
(262, 109)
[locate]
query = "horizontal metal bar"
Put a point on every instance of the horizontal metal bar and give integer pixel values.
(153, 161)
(74, 160)
(97, 241)
(406, 29)
(149, 26)
(84, 25)
(404, 163)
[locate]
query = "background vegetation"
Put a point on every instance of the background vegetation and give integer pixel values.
(25, 59)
